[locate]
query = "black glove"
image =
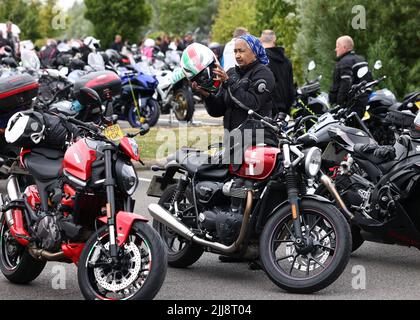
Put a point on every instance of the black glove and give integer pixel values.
(387, 153)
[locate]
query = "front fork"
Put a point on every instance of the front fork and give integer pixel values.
(110, 206)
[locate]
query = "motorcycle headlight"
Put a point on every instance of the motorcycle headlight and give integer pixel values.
(127, 178)
(313, 161)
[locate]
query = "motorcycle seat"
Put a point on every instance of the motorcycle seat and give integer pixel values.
(42, 167)
(199, 163)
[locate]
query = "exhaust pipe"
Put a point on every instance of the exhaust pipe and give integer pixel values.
(43, 255)
(166, 218)
(327, 182)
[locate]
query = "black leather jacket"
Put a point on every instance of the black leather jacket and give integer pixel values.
(242, 84)
(345, 76)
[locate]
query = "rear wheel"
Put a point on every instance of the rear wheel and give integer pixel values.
(16, 264)
(181, 252)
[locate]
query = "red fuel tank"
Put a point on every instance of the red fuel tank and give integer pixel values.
(78, 160)
(259, 163)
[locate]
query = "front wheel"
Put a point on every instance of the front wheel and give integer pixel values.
(318, 260)
(138, 274)
(149, 114)
(185, 104)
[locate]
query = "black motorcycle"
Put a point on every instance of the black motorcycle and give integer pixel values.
(259, 210)
(380, 185)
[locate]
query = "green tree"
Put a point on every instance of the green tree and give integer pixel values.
(110, 17)
(385, 37)
(179, 16)
(281, 17)
(232, 14)
(78, 26)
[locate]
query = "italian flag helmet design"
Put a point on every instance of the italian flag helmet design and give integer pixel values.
(195, 58)
(197, 62)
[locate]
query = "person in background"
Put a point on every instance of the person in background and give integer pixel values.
(280, 65)
(117, 45)
(229, 60)
(164, 46)
(188, 39)
(345, 75)
(12, 39)
(217, 49)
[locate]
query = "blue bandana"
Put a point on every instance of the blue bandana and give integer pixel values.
(256, 47)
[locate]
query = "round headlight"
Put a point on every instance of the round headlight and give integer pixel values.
(313, 161)
(126, 177)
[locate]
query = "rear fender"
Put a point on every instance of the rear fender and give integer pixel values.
(124, 223)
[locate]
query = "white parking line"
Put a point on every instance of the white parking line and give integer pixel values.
(145, 180)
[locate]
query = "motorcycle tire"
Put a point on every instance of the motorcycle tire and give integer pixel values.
(331, 228)
(357, 239)
(185, 100)
(151, 114)
(23, 271)
(149, 252)
(187, 255)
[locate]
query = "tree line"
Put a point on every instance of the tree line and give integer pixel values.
(388, 31)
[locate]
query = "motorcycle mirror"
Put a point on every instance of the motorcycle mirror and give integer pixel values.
(64, 72)
(311, 65)
(378, 65)
(362, 72)
(144, 129)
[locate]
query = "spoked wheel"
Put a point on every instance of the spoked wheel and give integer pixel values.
(312, 263)
(181, 253)
(138, 274)
(185, 101)
(16, 264)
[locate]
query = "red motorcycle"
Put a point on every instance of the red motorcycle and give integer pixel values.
(80, 211)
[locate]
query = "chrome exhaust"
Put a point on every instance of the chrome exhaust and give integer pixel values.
(166, 218)
(327, 182)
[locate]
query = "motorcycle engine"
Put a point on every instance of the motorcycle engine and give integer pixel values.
(48, 232)
(225, 207)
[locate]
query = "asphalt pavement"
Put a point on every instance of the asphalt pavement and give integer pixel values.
(375, 271)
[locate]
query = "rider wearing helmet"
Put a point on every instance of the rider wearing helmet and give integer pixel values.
(251, 82)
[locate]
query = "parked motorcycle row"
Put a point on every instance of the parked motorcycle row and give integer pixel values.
(297, 209)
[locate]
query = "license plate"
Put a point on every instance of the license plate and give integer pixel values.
(418, 105)
(114, 132)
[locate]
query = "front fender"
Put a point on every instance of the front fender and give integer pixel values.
(124, 223)
(302, 199)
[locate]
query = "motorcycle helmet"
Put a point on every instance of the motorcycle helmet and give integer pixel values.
(25, 129)
(198, 64)
(150, 43)
(92, 43)
(77, 64)
(113, 55)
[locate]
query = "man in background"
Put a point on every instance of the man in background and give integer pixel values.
(117, 45)
(345, 75)
(280, 65)
(229, 60)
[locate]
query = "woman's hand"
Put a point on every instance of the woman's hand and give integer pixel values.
(199, 89)
(221, 74)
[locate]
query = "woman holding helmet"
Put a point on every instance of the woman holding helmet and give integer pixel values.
(251, 82)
